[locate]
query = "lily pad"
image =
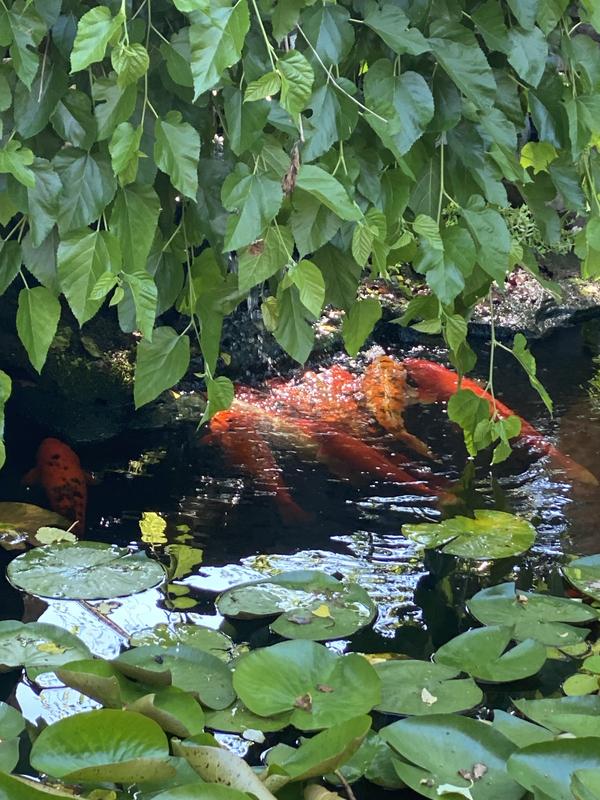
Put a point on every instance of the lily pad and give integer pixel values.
(15, 787)
(584, 574)
(445, 751)
(533, 616)
(579, 716)
(11, 726)
(238, 719)
(201, 791)
(174, 710)
(519, 731)
(549, 767)
(420, 687)
(38, 645)
(185, 667)
(207, 639)
(491, 534)
(20, 521)
(483, 653)
(308, 605)
(84, 571)
(373, 760)
(318, 687)
(101, 681)
(103, 746)
(585, 784)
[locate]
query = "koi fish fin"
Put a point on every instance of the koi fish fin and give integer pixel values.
(32, 477)
(91, 478)
(290, 512)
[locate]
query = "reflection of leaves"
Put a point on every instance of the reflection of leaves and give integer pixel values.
(183, 560)
(153, 527)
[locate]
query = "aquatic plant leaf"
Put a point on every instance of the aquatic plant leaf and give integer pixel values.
(585, 784)
(19, 523)
(323, 753)
(11, 725)
(187, 668)
(84, 571)
(218, 765)
(201, 791)
(320, 688)
(101, 681)
(208, 639)
(584, 574)
(14, 787)
(174, 710)
(48, 535)
(300, 597)
(533, 616)
(440, 749)
(103, 746)
(37, 644)
(420, 687)
(579, 716)
(581, 683)
(519, 731)
(483, 653)
(491, 534)
(237, 718)
(373, 760)
(549, 767)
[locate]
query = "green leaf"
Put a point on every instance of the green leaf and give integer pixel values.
(577, 716)
(527, 53)
(245, 123)
(88, 186)
(391, 24)
(362, 243)
(490, 233)
(265, 86)
(329, 32)
(467, 66)
(124, 152)
(538, 155)
(527, 360)
(130, 62)
(216, 42)
(23, 29)
(405, 103)
(525, 11)
(471, 413)
(15, 160)
(83, 256)
(43, 200)
(38, 314)
(114, 105)
(160, 364)
(328, 190)
(220, 392)
(312, 223)
(10, 263)
(491, 534)
(297, 78)
(133, 221)
(95, 29)
(293, 332)
(37, 645)
(549, 767)
(359, 322)
(257, 199)
(176, 152)
(73, 121)
(307, 277)
(584, 574)
(5, 390)
(145, 296)
(260, 261)
(33, 106)
(341, 274)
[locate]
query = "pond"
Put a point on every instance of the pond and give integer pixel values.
(179, 500)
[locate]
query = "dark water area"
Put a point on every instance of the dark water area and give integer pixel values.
(355, 532)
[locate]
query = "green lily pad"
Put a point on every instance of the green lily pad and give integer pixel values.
(533, 616)
(207, 639)
(549, 767)
(19, 523)
(491, 534)
(483, 653)
(103, 746)
(174, 710)
(446, 750)
(238, 719)
(309, 605)
(201, 791)
(84, 571)
(37, 645)
(373, 760)
(581, 683)
(519, 731)
(185, 667)
(420, 687)
(322, 753)
(584, 574)
(579, 716)
(585, 784)
(101, 681)
(11, 726)
(318, 687)
(15, 787)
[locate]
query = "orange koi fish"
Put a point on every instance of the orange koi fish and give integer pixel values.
(435, 382)
(59, 472)
(246, 449)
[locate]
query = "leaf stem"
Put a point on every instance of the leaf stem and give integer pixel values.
(493, 343)
(442, 189)
(268, 45)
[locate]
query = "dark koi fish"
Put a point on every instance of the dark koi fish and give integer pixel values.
(59, 472)
(435, 382)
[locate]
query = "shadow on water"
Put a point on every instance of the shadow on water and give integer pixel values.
(355, 533)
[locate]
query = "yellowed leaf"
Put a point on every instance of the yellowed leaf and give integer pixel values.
(153, 527)
(322, 611)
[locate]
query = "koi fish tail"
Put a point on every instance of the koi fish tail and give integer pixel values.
(572, 469)
(290, 512)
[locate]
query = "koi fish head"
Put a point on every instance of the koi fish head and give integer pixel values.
(434, 382)
(53, 450)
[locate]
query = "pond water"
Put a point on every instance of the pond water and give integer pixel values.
(355, 532)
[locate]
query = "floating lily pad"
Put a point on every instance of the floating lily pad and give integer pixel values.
(533, 616)
(309, 605)
(238, 719)
(101, 681)
(201, 791)
(491, 534)
(374, 761)
(185, 667)
(103, 746)
(585, 784)
(16, 787)
(19, 523)
(84, 571)
(11, 726)
(584, 574)
(207, 639)
(446, 751)
(318, 687)
(579, 716)
(420, 687)
(519, 731)
(549, 767)
(483, 653)
(174, 710)
(38, 645)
